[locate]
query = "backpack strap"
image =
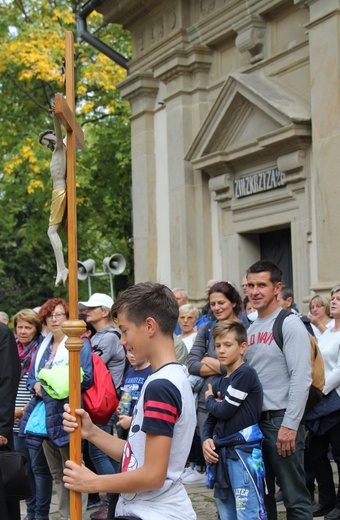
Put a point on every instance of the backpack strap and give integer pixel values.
(277, 327)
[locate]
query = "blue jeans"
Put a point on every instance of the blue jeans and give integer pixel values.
(242, 502)
(102, 462)
(289, 472)
(43, 483)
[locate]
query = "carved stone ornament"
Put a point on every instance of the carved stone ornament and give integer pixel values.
(207, 6)
(223, 188)
(251, 33)
(292, 165)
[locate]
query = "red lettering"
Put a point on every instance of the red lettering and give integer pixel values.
(265, 337)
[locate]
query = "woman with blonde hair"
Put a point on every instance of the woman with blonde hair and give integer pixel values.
(324, 418)
(27, 326)
(319, 314)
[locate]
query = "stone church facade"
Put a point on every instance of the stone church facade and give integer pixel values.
(235, 139)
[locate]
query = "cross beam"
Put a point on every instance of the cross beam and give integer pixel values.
(64, 114)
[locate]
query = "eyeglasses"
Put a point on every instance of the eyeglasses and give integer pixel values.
(56, 316)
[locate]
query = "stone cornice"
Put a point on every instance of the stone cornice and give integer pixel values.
(127, 12)
(142, 86)
(195, 58)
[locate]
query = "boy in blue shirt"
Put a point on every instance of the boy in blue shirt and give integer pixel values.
(231, 437)
(133, 382)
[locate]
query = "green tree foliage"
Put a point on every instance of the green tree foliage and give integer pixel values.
(32, 35)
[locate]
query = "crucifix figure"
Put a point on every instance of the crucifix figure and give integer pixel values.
(59, 166)
(54, 141)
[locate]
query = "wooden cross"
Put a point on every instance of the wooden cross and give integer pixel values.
(73, 328)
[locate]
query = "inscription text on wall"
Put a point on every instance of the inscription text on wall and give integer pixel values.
(257, 182)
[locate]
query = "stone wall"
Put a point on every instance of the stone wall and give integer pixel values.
(235, 132)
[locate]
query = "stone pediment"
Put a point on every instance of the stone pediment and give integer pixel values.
(251, 116)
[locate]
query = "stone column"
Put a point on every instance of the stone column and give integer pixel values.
(140, 90)
(183, 73)
(324, 40)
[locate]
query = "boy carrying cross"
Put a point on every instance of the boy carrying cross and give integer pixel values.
(163, 423)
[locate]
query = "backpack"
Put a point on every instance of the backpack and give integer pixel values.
(100, 400)
(318, 369)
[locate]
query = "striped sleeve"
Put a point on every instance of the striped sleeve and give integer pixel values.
(234, 391)
(162, 407)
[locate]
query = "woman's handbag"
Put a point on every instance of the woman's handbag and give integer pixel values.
(14, 474)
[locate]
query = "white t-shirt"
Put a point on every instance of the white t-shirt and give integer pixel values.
(189, 340)
(329, 344)
(165, 407)
(318, 333)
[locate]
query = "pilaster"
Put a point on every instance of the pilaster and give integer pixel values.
(324, 41)
(141, 91)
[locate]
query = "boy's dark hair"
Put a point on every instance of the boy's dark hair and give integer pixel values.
(148, 300)
(225, 326)
(230, 293)
(263, 266)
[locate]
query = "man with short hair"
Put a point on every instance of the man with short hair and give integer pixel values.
(182, 298)
(244, 286)
(286, 377)
(285, 300)
(4, 318)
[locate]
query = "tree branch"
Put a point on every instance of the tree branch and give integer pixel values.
(26, 92)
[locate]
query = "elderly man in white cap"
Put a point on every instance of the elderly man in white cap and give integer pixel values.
(105, 343)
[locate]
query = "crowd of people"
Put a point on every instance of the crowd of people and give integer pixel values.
(206, 396)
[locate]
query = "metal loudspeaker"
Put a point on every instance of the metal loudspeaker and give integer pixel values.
(115, 264)
(85, 268)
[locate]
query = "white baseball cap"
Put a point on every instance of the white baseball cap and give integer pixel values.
(99, 300)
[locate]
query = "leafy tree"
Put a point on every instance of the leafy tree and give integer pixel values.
(32, 50)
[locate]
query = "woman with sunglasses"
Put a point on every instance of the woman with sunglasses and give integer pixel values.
(188, 315)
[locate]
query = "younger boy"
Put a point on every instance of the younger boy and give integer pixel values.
(164, 418)
(231, 437)
(133, 382)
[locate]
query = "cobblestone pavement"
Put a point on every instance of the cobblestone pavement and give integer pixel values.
(202, 500)
(201, 497)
